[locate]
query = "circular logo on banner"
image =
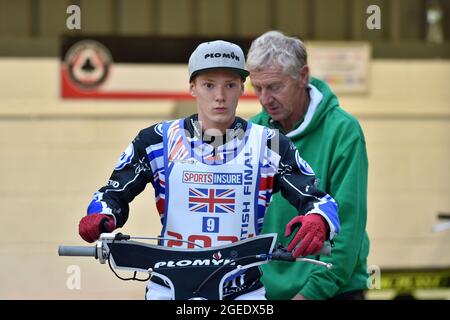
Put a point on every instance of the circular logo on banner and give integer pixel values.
(303, 165)
(88, 63)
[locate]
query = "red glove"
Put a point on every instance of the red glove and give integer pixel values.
(312, 234)
(92, 225)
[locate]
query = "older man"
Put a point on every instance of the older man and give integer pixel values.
(332, 142)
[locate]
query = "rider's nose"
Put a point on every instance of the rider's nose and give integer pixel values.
(220, 94)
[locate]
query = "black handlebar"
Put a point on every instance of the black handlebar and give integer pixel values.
(280, 252)
(444, 215)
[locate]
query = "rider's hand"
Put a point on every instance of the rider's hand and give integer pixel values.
(92, 225)
(312, 234)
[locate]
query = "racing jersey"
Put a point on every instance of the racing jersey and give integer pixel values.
(212, 190)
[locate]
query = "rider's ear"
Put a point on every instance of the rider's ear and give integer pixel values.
(192, 90)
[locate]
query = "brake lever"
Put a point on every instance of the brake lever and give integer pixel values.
(281, 253)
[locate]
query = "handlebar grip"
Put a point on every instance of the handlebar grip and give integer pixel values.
(283, 254)
(77, 251)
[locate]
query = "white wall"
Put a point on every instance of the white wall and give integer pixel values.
(55, 154)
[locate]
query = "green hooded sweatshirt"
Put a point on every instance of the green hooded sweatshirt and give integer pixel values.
(334, 146)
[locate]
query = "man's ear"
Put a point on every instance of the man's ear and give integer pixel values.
(304, 76)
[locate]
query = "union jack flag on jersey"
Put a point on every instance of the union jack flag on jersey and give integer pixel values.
(212, 200)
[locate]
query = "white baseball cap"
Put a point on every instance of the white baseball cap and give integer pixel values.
(217, 54)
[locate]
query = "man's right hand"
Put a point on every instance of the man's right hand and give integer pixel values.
(92, 225)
